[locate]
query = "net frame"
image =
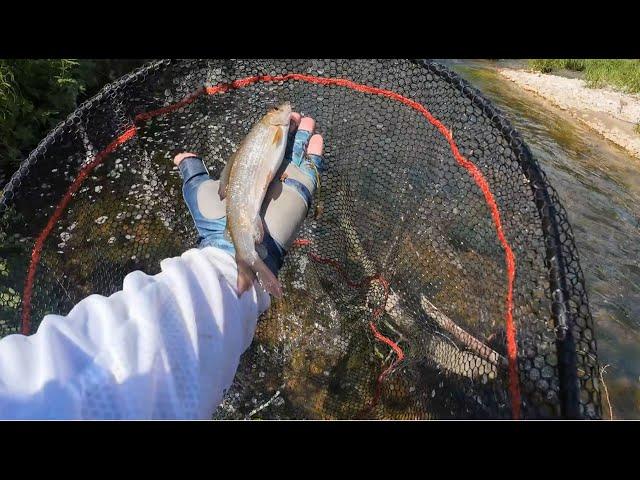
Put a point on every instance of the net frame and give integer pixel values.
(569, 308)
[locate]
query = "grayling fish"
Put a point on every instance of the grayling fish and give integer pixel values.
(244, 182)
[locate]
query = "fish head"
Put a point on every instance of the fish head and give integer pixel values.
(280, 115)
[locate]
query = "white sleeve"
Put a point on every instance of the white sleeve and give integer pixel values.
(166, 346)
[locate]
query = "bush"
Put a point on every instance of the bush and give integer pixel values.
(35, 95)
(620, 74)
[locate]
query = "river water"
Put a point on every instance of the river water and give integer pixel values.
(599, 185)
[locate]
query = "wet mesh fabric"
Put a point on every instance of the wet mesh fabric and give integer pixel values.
(435, 277)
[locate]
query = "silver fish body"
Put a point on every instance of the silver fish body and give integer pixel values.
(244, 183)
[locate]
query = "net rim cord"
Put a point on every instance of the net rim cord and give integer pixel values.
(543, 193)
(473, 170)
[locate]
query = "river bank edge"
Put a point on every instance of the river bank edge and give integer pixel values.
(614, 115)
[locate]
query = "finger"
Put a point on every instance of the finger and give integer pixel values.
(294, 121)
(307, 124)
(305, 130)
(181, 156)
(316, 145)
(314, 154)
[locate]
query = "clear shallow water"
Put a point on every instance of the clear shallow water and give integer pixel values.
(599, 185)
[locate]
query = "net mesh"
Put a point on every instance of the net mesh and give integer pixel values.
(436, 277)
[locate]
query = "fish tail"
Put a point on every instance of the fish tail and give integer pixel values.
(245, 276)
(266, 277)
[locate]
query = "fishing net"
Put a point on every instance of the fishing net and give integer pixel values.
(435, 277)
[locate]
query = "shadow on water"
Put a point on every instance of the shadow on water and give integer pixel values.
(599, 185)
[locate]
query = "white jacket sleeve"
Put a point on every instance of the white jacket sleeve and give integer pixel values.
(166, 346)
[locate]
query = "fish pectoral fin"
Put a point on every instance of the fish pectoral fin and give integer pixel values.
(278, 136)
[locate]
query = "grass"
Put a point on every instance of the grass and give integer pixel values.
(619, 74)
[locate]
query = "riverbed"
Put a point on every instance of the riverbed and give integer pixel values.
(599, 185)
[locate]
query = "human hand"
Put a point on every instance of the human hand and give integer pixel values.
(285, 205)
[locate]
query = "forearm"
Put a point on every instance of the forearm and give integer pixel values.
(166, 346)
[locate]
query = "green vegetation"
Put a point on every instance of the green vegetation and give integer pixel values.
(620, 74)
(35, 95)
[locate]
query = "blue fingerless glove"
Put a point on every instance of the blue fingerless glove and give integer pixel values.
(200, 194)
